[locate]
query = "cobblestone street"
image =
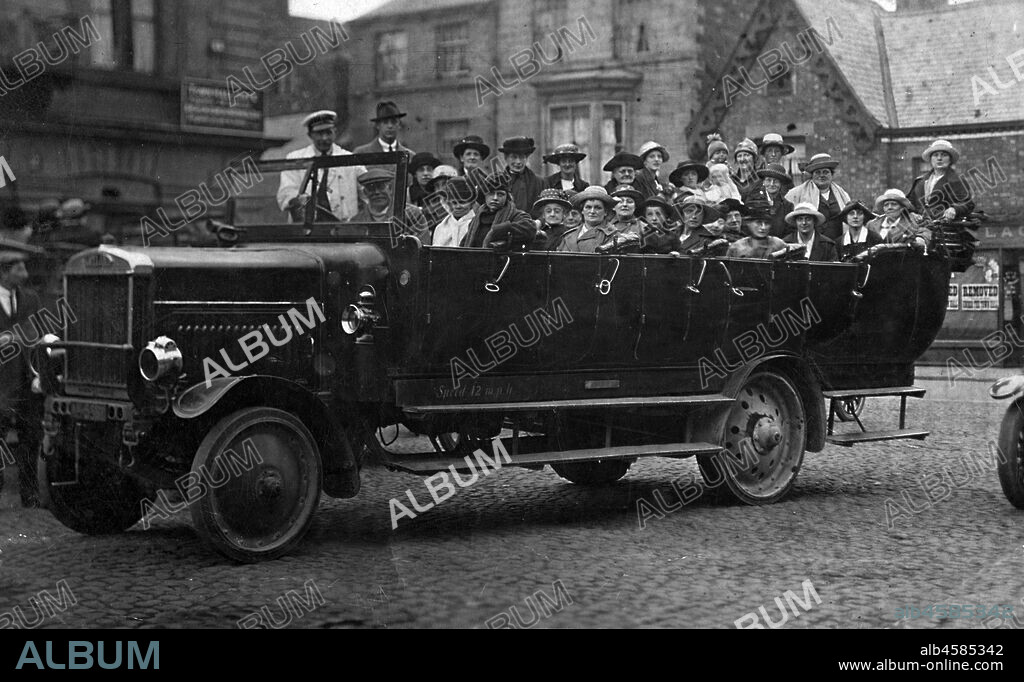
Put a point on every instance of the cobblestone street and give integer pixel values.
(501, 541)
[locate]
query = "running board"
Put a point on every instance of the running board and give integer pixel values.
(431, 463)
(848, 439)
(581, 404)
(908, 391)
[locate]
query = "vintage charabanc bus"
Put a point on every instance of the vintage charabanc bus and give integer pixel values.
(256, 374)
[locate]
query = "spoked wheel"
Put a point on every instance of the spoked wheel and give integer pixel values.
(601, 472)
(763, 443)
(100, 500)
(846, 408)
(261, 468)
(1011, 460)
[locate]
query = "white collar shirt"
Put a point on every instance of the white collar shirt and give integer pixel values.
(7, 301)
(452, 230)
(392, 147)
(808, 245)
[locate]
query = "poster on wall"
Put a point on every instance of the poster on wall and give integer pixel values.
(979, 297)
(953, 302)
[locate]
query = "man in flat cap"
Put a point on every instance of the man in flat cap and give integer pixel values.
(20, 406)
(336, 196)
(386, 123)
(525, 186)
(378, 186)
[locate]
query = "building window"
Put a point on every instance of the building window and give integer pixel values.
(127, 31)
(449, 133)
(572, 123)
(452, 42)
(392, 57)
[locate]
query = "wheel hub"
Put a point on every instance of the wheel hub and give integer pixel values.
(766, 435)
(269, 485)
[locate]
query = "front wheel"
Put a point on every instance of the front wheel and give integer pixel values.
(260, 475)
(763, 443)
(1011, 455)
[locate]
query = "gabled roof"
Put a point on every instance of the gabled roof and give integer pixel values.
(938, 57)
(850, 24)
(398, 7)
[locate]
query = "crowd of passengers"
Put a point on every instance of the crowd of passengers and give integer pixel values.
(746, 205)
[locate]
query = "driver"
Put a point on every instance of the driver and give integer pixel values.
(378, 187)
(336, 198)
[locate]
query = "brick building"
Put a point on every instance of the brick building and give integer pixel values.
(874, 88)
(106, 114)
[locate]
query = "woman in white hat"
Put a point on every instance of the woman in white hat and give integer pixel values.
(806, 220)
(647, 181)
(897, 224)
(941, 193)
(774, 148)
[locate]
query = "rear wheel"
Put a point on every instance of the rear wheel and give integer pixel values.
(1011, 460)
(846, 408)
(763, 443)
(601, 472)
(262, 478)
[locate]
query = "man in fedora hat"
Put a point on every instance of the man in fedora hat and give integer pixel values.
(386, 123)
(498, 222)
(524, 186)
(21, 401)
(827, 197)
(595, 232)
(623, 167)
(337, 196)
(378, 185)
(941, 193)
(567, 157)
(856, 235)
(806, 219)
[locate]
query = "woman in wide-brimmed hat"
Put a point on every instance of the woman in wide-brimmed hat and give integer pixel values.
(595, 232)
(745, 175)
(552, 207)
(822, 192)
(774, 148)
(941, 192)
(696, 213)
(806, 221)
(648, 180)
(758, 243)
(627, 209)
(567, 157)
(896, 222)
(623, 167)
(421, 167)
(688, 177)
(857, 236)
(773, 181)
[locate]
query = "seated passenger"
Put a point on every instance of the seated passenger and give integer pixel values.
(734, 212)
(551, 206)
(459, 202)
(661, 234)
(774, 149)
(595, 205)
(498, 223)
(822, 192)
(897, 224)
(378, 188)
(688, 176)
(941, 193)
(434, 202)
(648, 181)
(745, 176)
(623, 167)
(856, 235)
(696, 213)
(760, 243)
(774, 179)
(806, 219)
(718, 150)
(567, 157)
(720, 244)
(421, 170)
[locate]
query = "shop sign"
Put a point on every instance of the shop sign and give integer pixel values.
(953, 302)
(979, 297)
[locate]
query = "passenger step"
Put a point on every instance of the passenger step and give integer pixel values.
(580, 404)
(848, 439)
(908, 391)
(432, 462)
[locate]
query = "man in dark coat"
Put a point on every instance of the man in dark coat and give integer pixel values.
(387, 123)
(378, 186)
(623, 167)
(806, 220)
(20, 406)
(498, 223)
(525, 186)
(567, 157)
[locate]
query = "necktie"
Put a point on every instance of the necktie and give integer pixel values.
(10, 303)
(323, 202)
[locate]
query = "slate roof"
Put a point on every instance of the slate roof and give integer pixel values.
(931, 56)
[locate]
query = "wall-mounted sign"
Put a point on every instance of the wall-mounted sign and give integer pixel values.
(953, 303)
(206, 106)
(979, 297)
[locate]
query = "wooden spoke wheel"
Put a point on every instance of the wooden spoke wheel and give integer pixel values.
(261, 474)
(763, 443)
(1011, 456)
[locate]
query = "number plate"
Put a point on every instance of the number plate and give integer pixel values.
(94, 412)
